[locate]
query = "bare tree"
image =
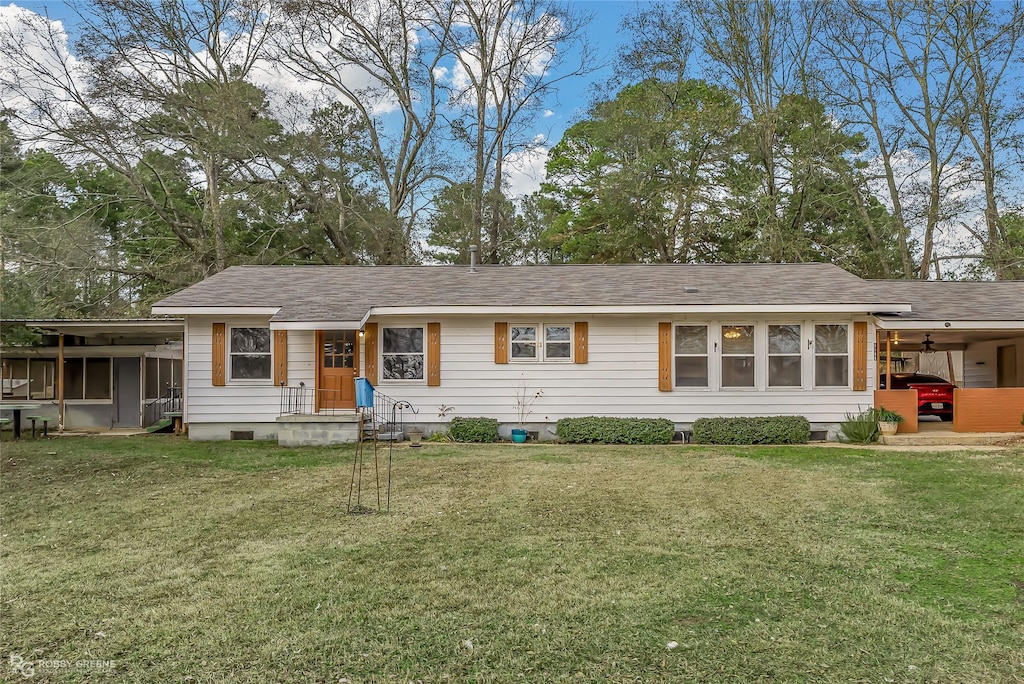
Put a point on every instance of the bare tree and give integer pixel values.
(894, 74)
(382, 58)
(157, 94)
(510, 55)
(986, 38)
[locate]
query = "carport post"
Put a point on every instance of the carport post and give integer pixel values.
(60, 382)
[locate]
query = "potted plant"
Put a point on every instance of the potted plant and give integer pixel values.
(524, 407)
(888, 421)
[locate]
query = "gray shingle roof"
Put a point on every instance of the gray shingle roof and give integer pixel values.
(346, 293)
(949, 300)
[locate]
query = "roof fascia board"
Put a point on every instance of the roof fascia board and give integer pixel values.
(316, 325)
(897, 324)
(646, 309)
(217, 310)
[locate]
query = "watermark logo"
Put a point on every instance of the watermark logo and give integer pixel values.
(28, 668)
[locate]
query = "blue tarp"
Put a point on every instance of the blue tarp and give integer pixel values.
(364, 393)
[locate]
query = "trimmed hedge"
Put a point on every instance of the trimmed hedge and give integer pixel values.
(598, 430)
(761, 430)
(473, 429)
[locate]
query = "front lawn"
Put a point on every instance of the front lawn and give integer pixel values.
(233, 562)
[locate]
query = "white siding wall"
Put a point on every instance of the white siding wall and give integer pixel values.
(980, 362)
(621, 378)
(238, 402)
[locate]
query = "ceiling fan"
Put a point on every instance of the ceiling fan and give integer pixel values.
(927, 344)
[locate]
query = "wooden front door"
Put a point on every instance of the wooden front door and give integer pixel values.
(338, 364)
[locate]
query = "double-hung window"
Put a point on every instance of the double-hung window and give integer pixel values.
(691, 355)
(541, 342)
(784, 355)
(831, 355)
(737, 356)
(250, 354)
(402, 353)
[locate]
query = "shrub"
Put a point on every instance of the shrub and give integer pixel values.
(473, 429)
(760, 430)
(860, 428)
(598, 430)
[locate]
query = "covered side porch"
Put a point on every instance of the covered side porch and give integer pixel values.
(983, 359)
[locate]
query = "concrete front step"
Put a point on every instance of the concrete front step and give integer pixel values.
(300, 430)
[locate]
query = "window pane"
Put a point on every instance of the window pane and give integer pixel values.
(403, 341)
(16, 379)
(783, 339)
(691, 371)
(74, 379)
(524, 333)
(97, 378)
(738, 339)
(43, 378)
(403, 366)
(250, 340)
(691, 339)
(558, 350)
(784, 371)
(557, 333)
(524, 350)
(738, 371)
(153, 388)
(831, 371)
(250, 367)
(830, 339)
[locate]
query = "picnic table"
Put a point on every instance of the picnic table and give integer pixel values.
(16, 407)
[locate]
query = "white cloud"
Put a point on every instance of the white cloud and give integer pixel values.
(525, 169)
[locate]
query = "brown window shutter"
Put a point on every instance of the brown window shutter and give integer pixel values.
(501, 343)
(860, 356)
(580, 332)
(664, 357)
(219, 353)
(280, 357)
(370, 352)
(433, 354)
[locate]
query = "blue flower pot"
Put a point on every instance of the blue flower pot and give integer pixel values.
(518, 436)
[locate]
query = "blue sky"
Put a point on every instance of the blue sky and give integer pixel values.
(574, 94)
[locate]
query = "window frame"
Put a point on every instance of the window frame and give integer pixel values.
(755, 355)
(541, 343)
(229, 354)
(802, 348)
(848, 354)
(85, 380)
(381, 354)
(710, 331)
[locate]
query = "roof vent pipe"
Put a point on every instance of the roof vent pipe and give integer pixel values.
(472, 258)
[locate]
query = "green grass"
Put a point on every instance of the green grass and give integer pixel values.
(232, 562)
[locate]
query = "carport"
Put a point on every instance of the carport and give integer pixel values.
(978, 329)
